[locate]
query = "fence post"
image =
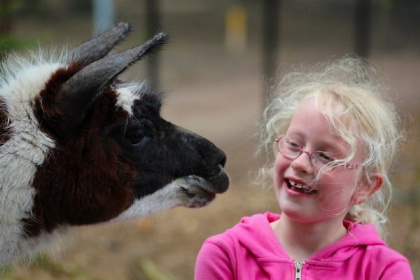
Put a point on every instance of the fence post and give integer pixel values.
(103, 15)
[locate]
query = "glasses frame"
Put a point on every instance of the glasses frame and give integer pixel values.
(311, 157)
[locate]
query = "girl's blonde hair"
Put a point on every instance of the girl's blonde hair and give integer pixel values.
(364, 113)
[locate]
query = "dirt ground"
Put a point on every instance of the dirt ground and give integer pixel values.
(220, 96)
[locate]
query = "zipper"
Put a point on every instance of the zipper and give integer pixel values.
(298, 270)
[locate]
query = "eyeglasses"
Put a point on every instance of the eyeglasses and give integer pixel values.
(325, 161)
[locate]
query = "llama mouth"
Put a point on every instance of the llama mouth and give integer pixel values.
(300, 188)
(213, 183)
(219, 183)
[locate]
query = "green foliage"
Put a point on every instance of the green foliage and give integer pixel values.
(8, 42)
(45, 263)
(6, 272)
(9, 7)
(148, 270)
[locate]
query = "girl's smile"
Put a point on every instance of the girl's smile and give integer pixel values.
(301, 188)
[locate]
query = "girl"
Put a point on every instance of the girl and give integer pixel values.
(334, 137)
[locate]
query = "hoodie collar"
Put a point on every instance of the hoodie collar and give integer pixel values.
(256, 234)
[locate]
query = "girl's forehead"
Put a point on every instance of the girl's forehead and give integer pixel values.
(309, 121)
(338, 113)
(322, 126)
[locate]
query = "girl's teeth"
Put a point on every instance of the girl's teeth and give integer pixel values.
(301, 187)
(296, 185)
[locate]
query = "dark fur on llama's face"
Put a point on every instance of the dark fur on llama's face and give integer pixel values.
(79, 146)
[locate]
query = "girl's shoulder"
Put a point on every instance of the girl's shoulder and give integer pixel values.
(248, 230)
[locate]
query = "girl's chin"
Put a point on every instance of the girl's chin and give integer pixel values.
(297, 208)
(296, 216)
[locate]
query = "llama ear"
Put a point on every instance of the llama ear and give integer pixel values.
(78, 93)
(100, 46)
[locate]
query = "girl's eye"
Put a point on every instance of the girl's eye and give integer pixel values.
(325, 157)
(292, 145)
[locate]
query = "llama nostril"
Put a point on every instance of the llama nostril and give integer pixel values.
(220, 182)
(222, 160)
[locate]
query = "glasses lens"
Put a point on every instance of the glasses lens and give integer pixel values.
(289, 148)
(323, 160)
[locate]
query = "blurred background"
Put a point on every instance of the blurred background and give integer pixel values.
(223, 57)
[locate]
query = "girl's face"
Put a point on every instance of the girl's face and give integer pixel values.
(333, 192)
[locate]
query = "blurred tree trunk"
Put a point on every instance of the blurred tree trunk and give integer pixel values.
(153, 25)
(6, 23)
(362, 27)
(8, 13)
(271, 21)
(6, 18)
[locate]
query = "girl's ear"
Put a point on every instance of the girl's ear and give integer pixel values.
(368, 188)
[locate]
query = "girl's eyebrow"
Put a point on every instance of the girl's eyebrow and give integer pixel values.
(295, 135)
(338, 150)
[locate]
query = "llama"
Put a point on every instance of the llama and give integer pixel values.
(79, 146)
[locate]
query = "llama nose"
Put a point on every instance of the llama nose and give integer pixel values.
(221, 180)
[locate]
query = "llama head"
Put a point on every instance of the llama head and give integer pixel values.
(79, 146)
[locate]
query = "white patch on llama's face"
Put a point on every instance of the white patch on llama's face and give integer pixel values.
(163, 199)
(24, 151)
(189, 191)
(127, 95)
(125, 100)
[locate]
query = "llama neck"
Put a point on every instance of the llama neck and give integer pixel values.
(20, 157)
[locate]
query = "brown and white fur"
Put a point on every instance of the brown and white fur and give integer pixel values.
(78, 146)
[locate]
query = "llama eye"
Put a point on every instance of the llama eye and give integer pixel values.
(135, 136)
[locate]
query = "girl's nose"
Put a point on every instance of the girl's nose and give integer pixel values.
(303, 163)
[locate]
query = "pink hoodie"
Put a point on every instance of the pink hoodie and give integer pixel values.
(250, 250)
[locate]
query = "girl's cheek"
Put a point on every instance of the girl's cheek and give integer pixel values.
(280, 165)
(277, 164)
(278, 175)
